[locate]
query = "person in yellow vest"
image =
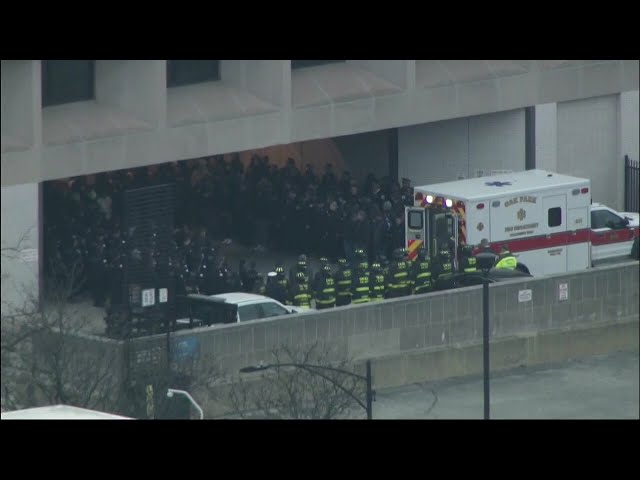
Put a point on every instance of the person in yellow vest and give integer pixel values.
(506, 260)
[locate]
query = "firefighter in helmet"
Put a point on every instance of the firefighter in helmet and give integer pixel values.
(444, 269)
(325, 289)
(422, 273)
(344, 278)
(300, 267)
(377, 282)
(397, 278)
(468, 262)
(360, 283)
(300, 295)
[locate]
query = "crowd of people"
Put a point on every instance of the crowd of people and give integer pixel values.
(283, 209)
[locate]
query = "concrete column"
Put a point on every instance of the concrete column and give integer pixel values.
(546, 137)
(20, 245)
(529, 138)
(629, 126)
(21, 104)
(138, 87)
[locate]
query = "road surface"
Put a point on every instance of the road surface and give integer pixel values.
(601, 387)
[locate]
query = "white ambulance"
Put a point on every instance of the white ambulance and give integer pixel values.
(544, 218)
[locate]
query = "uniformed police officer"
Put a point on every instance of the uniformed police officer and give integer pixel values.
(300, 295)
(397, 278)
(252, 278)
(258, 286)
(325, 289)
(284, 284)
(377, 282)
(422, 273)
(343, 279)
(275, 289)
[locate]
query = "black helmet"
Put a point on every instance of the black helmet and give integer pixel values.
(300, 276)
(343, 263)
(422, 253)
(359, 252)
(398, 253)
(376, 267)
(324, 260)
(326, 269)
(302, 258)
(279, 270)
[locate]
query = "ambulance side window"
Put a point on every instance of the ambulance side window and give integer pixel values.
(555, 217)
(415, 220)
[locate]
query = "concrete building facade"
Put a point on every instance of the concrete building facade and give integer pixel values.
(445, 119)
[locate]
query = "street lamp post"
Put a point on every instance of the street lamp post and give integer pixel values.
(485, 261)
(316, 370)
(172, 391)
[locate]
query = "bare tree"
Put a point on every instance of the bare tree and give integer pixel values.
(315, 388)
(46, 359)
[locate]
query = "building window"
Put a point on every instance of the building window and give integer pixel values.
(186, 72)
(295, 64)
(66, 81)
(555, 217)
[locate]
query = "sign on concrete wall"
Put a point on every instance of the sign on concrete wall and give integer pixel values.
(563, 291)
(524, 296)
(29, 255)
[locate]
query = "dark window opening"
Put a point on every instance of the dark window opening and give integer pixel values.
(67, 81)
(312, 63)
(555, 217)
(415, 220)
(186, 72)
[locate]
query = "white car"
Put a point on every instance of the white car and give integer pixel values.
(612, 233)
(232, 308)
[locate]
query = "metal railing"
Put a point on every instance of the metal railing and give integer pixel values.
(631, 185)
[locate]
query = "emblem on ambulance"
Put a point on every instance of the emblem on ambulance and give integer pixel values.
(521, 214)
(480, 226)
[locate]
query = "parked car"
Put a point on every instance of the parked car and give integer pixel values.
(231, 308)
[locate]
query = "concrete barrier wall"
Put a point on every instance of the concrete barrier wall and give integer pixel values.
(439, 335)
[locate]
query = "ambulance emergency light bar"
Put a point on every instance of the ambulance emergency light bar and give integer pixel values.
(430, 199)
